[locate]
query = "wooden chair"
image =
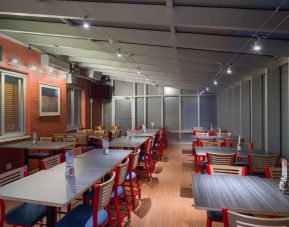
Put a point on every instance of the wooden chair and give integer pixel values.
(221, 159)
(216, 216)
(131, 178)
(224, 169)
(70, 139)
(98, 214)
(232, 219)
(82, 141)
(50, 162)
(234, 144)
(49, 139)
(77, 151)
(81, 131)
(25, 214)
(89, 132)
(120, 193)
(257, 163)
(211, 143)
(58, 137)
(274, 172)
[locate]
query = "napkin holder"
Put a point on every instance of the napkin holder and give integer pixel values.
(283, 185)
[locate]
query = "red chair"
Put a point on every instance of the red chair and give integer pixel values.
(131, 178)
(96, 215)
(158, 147)
(146, 163)
(120, 193)
(215, 216)
(25, 214)
(257, 163)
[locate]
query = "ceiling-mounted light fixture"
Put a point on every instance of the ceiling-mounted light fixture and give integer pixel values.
(119, 54)
(257, 45)
(138, 70)
(85, 22)
(229, 69)
(207, 88)
(147, 79)
(215, 82)
(200, 92)
(154, 84)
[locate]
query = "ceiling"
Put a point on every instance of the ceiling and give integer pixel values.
(177, 43)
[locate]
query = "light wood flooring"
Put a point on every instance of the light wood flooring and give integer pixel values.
(167, 199)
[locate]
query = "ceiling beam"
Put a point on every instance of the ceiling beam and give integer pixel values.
(220, 18)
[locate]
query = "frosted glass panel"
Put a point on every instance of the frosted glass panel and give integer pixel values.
(107, 114)
(208, 111)
(122, 88)
(123, 113)
(139, 104)
(246, 110)
(189, 113)
(154, 111)
(139, 89)
(154, 90)
(171, 113)
(171, 91)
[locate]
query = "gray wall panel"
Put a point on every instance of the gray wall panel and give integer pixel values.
(273, 110)
(139, 114)
(246, 110)
(154, 111)
(208, 110)
(237, 110)
(257, 112)
(189, 112)
(122, 88)
(171, 113)
(284, 112)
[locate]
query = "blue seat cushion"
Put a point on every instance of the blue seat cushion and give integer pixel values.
(203, 164)
(26, 214)
(120, 192)
(142, 158)
(81, 216)
(38, 155)
(215, 215)
(241, 164)
(262, 175)
(133, 175)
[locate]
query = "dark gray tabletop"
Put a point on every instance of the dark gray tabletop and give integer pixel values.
(133, 142)
(113, 154)
(235, 138)
(52, 188)
(201, 151)
(40, 145)
(239, 194)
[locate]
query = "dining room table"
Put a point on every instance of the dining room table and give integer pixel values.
(56, 190)
(128, 142)
(28, 145)
(145, 132)
(245, 194)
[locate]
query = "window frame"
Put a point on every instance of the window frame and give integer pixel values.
(22, 132)
(71, 109)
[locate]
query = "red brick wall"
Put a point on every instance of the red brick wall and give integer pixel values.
(45, 125)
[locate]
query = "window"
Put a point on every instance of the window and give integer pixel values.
(73, 111)
(11, 105)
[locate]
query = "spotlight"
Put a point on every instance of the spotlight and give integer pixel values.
(257, 45)
(200, 92)
(138, 70)
(85, 22)
(207, 88)
(50, 69)
(229, 69)
(29, 47)
(147, 79)
(215, 82)
(119, 54)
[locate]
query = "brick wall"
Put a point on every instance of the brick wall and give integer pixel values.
(44, 125)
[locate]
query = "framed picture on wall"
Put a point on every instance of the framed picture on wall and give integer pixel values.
(49, 98)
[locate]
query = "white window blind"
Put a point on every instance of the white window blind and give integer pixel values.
(11, 105)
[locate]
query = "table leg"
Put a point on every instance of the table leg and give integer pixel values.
(26, 153)
(51, 216)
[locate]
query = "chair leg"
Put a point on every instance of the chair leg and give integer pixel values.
(117, 210)
(209, 222)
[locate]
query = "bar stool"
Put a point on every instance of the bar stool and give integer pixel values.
(119, 193)
(131, 178)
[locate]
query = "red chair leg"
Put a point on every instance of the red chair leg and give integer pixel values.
(209, 222)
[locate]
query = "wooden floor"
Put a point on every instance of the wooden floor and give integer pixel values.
(167, 198)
